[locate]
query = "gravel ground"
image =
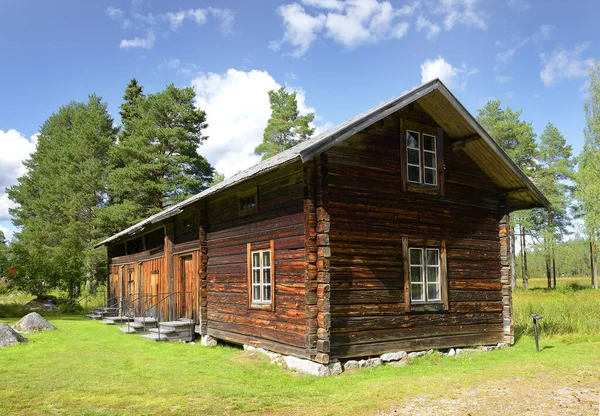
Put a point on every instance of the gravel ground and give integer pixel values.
(510, 397)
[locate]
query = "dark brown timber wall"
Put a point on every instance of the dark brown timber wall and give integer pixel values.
(369, 214)
(280, 218)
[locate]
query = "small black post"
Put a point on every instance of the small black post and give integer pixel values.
(536, 317)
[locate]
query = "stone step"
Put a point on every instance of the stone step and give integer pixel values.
(148, 319)
(164, 330)
(93, 316)
(178, 324)
(111, 320)
(129, 330)
(162, 337)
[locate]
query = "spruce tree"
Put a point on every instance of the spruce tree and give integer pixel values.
(156, 161)
(57, 200)
(286, 127)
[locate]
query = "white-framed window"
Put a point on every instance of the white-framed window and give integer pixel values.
(425, 276)
(421, 158)
(262, 278)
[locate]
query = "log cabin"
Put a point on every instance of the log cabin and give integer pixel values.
(388, 232)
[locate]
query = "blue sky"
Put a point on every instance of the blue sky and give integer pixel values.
(342, 57)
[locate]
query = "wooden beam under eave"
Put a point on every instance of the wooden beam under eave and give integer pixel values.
(462, 143)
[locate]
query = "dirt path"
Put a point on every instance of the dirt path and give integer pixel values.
(510, 397)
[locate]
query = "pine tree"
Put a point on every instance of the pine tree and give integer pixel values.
(517, 138)
(588, 175)
(286, 127)
(156, 161)
(556, 169)
(58, 198)
(3, 254)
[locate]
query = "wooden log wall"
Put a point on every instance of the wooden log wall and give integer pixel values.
(281, 218)
(369, 215)
(507, 309)
(323, 262)
(310, 253)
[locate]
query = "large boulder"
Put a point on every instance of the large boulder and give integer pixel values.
(33, 322)
(44, 305)
(9, 336)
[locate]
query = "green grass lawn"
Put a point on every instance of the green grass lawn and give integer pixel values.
(88, 368)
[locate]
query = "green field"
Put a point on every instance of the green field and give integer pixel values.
(88, 368)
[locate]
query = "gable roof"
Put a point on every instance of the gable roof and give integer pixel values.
(485, 152)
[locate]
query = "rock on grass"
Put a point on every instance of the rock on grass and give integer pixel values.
(10, 337)
(33, 322)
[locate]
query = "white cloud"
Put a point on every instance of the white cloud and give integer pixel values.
(237, 110)
(454, 77)
(300, 28)
(351, 23)
(431, 29)
(505, 55)
(503, 79)
(115, 13)
(8, 232)
(155, 23)
(461, 12)
(226, 17)
(357, 22)
(15, 150)
(565, 64)
(144, 43)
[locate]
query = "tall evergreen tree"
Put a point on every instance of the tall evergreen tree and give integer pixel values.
(57, 200)
(156, 161)
(517, 138)
(556, 170)
(286, 127)
(3, 254)
(588, 175)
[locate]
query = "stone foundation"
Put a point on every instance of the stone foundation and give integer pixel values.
(335, 367)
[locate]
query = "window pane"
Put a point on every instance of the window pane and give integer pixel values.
(415, 274)
(416, 292)
(266, 276)
(416, 256)
(432, 274)
(432, 257)
(429, 159)
(256, 276)
(266, 259)
(429, 142)
(414, 174)
(267, 293)
(413, 157)
(430, 176)
(433, 292)
(255, 259)
(256, 293)
(412, 140)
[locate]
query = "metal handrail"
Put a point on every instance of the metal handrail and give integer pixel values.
(170, 296)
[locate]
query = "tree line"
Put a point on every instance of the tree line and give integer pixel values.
(90, 178)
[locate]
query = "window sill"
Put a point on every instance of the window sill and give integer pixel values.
(427, 307)
(425, 189)
(262, 306)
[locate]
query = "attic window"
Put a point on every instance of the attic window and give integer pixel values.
(421, 158)
(248, 202)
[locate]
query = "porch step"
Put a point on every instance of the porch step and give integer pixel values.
(173, 337)
(183, 322)
(164, 330)
(111, 320)
(148, 319)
